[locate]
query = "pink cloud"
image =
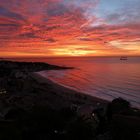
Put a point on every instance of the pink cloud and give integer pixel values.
(57, 23)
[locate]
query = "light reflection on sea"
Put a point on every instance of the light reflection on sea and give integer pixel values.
(106, 78)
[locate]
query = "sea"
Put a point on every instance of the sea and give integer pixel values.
(103, 77)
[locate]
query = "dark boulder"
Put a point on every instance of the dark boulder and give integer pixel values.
(117, 106)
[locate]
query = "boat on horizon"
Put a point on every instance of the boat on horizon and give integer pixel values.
(123, 58)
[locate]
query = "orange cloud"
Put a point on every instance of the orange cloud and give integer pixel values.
(63, 28)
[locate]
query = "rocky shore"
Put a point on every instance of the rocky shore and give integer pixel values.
(32, 107)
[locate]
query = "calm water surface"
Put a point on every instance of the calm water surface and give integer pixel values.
(106, 78)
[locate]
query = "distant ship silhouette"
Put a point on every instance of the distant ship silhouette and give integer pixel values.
(123, 58)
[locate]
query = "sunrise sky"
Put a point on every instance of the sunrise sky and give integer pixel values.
(41, 28)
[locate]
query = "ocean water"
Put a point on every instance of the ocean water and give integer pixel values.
(103, 77)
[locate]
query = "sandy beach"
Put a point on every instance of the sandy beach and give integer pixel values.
(69, 95)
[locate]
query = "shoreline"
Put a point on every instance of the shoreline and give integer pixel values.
(35, 107)
(73, 91)
(23, 77)
(68, 93)
(24, 88)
